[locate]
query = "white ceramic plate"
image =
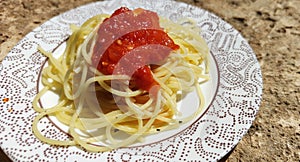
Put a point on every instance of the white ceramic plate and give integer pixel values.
(232, 96)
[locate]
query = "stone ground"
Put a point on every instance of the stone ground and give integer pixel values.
(272, 28)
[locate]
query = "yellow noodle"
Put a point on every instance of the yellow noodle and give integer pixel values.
(118, 111)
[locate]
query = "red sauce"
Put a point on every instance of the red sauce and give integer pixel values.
(5, 99)
(129, 42)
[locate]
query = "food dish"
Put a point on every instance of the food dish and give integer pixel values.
(231, 107)
(120, 78)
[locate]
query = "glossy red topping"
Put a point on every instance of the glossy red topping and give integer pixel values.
(128, 42)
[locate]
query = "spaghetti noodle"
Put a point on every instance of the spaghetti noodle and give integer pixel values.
(104, 111)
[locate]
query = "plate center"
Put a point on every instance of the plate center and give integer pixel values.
(187, 106)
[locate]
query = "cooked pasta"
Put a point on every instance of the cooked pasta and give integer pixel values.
(107, 111)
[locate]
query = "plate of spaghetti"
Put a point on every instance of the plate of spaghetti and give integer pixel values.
(129, 81)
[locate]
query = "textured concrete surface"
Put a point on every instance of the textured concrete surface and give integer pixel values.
(272, 28)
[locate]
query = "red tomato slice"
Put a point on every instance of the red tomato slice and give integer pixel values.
(131, 32)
